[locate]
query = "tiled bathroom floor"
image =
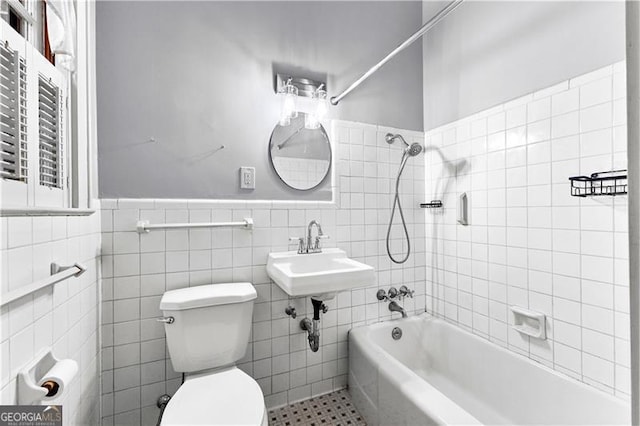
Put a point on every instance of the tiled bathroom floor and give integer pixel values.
(334, 409)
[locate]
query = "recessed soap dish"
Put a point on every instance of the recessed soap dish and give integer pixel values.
(530, 323)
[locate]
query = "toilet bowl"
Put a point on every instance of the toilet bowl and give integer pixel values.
(227, 397)
(207, 330)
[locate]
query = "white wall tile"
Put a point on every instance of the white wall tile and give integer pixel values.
(596, 92)
(548, 251)
(66, 318)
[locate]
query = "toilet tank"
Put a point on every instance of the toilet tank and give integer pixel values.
(211, 324)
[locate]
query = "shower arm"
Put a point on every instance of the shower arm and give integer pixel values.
(408, 42)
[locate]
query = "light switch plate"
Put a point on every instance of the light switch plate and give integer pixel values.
(247, 177)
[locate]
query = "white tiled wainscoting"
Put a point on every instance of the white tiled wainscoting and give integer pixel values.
(138, 269)
(63, 316)
(530, 243)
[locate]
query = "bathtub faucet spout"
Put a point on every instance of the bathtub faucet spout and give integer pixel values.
(394, 307)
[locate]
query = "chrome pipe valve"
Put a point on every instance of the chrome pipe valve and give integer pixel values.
(291, 311)
(393, 293)
(381, 295)
(405, 292)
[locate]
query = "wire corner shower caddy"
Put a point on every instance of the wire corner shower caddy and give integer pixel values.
(602, 183)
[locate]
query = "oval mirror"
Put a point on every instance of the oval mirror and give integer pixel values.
(301, 157)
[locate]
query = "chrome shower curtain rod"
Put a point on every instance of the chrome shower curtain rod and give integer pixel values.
(408, 42)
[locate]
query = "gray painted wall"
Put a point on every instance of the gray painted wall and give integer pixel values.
(486, 53)
(196, 75)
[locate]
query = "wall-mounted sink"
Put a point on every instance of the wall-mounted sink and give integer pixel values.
(319, 275)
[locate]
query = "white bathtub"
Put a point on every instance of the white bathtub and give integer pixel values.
(440, 374)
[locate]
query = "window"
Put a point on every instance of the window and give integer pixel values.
(27, 18)
(33, 121)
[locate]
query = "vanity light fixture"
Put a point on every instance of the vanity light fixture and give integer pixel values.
(313, 119)
(290, 88)
(289, 93)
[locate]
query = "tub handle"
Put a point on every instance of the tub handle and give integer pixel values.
(530, 323)
(381, 295)
(404, 291)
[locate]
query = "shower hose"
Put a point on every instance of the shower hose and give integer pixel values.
(396, 203)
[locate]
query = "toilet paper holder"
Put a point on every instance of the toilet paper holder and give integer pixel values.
(35, 383)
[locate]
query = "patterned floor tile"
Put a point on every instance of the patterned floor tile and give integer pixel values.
(332, 409)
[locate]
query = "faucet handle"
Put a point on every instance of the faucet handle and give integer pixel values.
(404, 291)
(381, 294)
(393, 293)
(299, 241)
(318, 238)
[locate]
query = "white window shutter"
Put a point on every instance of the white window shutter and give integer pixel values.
(13, 115)
(50, 149)
(33, 121)
(49, 131)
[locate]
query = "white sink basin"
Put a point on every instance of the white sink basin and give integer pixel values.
(319, 275)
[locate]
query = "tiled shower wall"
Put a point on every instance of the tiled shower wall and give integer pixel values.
(138, 269)
(529, 242)
(63, 317)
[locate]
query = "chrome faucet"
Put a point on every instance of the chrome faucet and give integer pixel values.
(309, 244)
(394, 307)
(314, 247)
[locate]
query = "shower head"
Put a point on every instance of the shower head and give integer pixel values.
(390, 138)
(414, 149)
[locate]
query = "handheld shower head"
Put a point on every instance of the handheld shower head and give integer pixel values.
(414, 149)
(409, 151)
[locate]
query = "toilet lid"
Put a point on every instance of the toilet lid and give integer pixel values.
(227, 397)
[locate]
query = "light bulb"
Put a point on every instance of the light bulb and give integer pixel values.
(289, 110)
(289, 106)
(321, 108)
(312, 120)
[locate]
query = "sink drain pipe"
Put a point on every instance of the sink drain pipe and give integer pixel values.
(313, 327)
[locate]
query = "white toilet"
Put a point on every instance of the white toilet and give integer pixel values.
(207, 330)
